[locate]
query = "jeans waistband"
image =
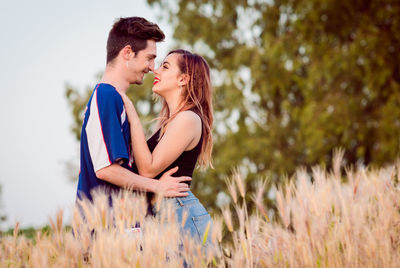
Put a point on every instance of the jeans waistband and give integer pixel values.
(182, 200)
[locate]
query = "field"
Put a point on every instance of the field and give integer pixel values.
(344, 217)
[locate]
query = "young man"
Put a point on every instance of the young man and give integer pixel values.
(106, 156)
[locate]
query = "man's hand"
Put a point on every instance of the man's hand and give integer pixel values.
(173, 186)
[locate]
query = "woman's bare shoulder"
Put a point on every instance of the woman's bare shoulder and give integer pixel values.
(188, 117)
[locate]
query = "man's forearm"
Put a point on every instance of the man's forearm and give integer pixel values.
(122, 177)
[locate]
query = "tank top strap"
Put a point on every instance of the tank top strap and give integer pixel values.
(195, 110)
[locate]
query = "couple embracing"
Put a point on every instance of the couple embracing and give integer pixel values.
(114, 151)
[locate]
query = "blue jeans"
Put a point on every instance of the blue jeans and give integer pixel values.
(197, 216)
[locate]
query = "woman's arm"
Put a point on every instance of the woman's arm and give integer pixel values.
(183, 131)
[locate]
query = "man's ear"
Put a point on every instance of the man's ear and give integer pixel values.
(183, 79)
(127, 52)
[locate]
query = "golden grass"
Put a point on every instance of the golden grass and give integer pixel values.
(325, 220)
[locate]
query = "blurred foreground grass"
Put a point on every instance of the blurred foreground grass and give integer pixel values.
(345, 217)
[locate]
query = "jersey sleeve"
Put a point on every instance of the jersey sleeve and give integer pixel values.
(104, 132)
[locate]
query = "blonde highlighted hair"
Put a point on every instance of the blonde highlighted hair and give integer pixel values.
(197, 94)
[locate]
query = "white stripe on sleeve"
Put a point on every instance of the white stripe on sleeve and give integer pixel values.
(123, 116)
(95, 138)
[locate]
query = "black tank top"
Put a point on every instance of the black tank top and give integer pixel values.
(186, 161)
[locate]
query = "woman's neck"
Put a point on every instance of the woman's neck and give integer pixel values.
(174, 104)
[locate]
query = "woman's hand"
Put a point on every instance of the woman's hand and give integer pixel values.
(130, 109)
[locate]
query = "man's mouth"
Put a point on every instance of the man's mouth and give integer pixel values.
(156, 80)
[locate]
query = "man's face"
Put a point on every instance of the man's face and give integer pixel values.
(142, 63)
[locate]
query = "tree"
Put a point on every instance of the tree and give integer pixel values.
(293, 80)
(3, 216)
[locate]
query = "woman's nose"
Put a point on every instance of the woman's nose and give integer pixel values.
(156, 71)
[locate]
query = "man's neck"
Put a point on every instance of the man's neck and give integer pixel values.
(112, 76)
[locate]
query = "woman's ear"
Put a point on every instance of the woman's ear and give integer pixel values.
(183, 79)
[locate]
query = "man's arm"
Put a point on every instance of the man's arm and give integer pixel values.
(107, 147)
(168, 186)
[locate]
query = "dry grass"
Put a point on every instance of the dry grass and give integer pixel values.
(325, 220)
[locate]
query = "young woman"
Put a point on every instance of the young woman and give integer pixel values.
(184, 135)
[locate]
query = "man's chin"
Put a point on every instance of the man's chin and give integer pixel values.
(137, 82)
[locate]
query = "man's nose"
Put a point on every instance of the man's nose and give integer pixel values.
(151, 67)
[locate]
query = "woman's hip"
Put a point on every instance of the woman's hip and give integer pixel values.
(197, 220)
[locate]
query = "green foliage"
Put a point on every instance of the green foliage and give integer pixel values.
(293, 80)
(77, 101)
(30, 232)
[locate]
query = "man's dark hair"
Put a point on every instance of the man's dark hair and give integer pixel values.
(133, 31)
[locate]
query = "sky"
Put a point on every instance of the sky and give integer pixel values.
(45, 44)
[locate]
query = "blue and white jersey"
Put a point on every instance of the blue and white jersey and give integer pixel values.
(105, 139)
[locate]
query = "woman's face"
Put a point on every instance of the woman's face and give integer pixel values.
(167, 77)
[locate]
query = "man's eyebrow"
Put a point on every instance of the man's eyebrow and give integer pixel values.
(152, 56)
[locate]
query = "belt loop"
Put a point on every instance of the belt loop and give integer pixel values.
(179, 201)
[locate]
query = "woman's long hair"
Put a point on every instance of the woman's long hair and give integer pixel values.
(196, 94)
